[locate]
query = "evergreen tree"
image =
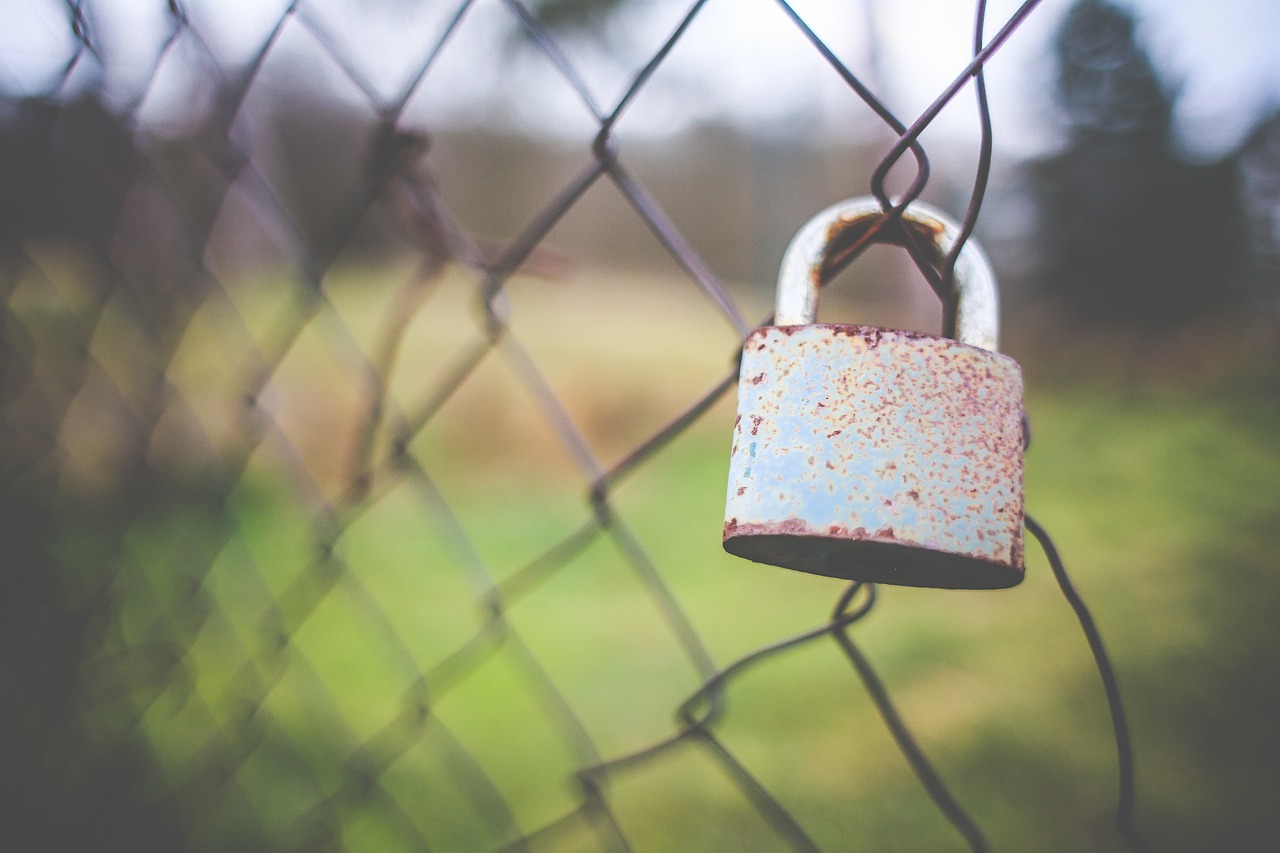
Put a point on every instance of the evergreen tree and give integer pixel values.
(1131, 234)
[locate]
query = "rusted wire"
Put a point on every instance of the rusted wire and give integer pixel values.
(1125, 798)
(153, 659)
(911, 750)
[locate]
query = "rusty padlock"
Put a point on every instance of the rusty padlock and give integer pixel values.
(875, 454)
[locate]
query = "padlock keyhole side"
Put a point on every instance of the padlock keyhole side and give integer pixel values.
(882, 287)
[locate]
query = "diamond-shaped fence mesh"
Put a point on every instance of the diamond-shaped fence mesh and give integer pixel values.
(322, 547)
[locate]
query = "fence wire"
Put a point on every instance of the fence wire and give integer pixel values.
(178, 623)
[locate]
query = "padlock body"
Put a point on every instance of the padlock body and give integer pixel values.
(878, 455)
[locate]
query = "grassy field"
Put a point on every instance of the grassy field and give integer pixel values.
(1160, 485)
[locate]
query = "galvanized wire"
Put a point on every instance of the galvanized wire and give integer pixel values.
(144, 665)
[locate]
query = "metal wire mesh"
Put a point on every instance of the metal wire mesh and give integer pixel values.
(156, 465)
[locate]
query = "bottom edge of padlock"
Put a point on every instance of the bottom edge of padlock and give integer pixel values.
(874, 561)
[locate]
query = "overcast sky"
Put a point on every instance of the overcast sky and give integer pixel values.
(741, 61)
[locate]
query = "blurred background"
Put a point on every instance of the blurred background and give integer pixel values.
(367, 391)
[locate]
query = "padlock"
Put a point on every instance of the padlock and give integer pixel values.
(876, 454)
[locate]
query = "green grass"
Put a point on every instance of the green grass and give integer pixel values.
(1163, 501)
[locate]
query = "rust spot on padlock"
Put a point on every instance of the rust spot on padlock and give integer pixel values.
(920, 435)
(847, 236)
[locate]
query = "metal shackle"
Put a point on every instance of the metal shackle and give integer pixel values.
(805, 265)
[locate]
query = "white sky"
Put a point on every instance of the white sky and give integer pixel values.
(741, 61)
(1223, 59)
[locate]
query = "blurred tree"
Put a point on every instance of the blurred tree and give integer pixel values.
(65, 168)
(1130, 234)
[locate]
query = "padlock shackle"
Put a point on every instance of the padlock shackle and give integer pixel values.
(807, 265)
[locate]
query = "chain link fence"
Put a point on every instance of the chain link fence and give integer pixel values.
(312, 548)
